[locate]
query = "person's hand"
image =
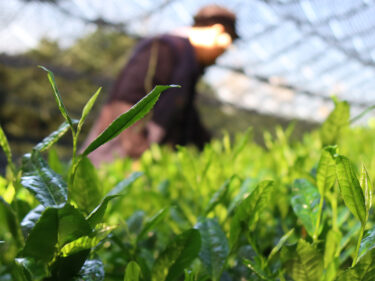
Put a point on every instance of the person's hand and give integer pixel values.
(155, 133)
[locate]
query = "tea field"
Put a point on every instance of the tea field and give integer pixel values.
(293, 210)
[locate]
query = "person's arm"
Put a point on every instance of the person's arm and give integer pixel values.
(155, 132)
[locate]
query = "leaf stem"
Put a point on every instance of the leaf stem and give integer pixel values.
(358, 244)
(317, 226)
(73, 170)
(334, 207)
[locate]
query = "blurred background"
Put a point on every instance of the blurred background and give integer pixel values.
(293, 56)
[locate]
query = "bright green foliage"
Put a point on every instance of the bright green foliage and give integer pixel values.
(132, 272)
(92, 270)
(304, 262)
(85, 191)
(363, 271)
(54, 240)
(6, 148)
(305, 203)
(97, 214)
(219, 196)
(367, 243)
(10, 217)
(350, 188)
(72, 225)
(152, 222)
(42, 240)
(257, 269)
(47, 186)
(233, 211)
(332, 248)
(86, 242)
(215, 248)
(47, 142)
(58, 98)
(335, 123)
(178, 255)
(127, 119)
(86, 110)
(326, 172)
(248, 211)
(366, 186)
(280, 244)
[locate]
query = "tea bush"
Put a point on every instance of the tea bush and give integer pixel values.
(294, 210)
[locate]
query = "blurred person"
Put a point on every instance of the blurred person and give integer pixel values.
(178, 58)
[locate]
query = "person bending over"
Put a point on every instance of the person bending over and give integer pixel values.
(177, 58)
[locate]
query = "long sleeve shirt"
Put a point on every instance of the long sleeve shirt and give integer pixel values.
(163, 60)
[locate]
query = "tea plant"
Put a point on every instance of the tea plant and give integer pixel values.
(56, 240)
(235, 211)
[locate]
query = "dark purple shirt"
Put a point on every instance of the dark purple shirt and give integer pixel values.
(176, 64)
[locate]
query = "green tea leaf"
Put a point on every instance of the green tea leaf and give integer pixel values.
(366, 186)
(85, 190)
(11, 222)
(367, 243)
(218, 196)
(257, 269)
(86, 110)
(58, 98)
(6, 148)
(350, 188)
(132, 272)
(49, 141)
(92, 270)
(72, 225)
(54, 161)
(242, 143)
(67, 268)
(86, 242)
(305, 263)
(280, 244)
(31, 218)
(247, 187)
(332, 247)
(21, 206)
(326, 173)
(97, 214)
(364, 270)
(178, 255)
(35, 268)
(19, 272)
(247, 211)
(189, 276)
(80, 244)
(153, 222)
(145, 268)
(215, 247)
(128, 118)
(335, 122)
(305, 203)
(123, 186)
(42, 241)
(135, 222)
(47, 186)
(119, 190)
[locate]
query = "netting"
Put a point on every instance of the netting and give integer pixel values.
(291, 58)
